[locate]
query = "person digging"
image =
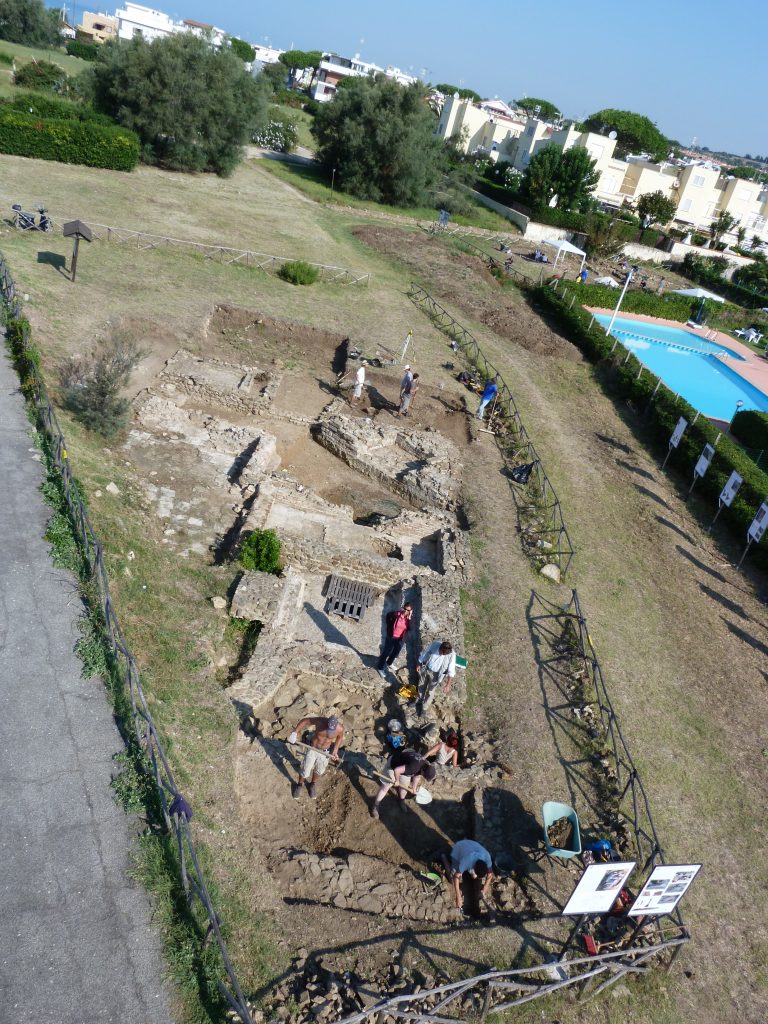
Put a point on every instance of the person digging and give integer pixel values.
(471, 862)
(406, 768)
(325, 743)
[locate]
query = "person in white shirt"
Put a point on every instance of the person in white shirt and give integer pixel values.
(357, 390)
(436, 663)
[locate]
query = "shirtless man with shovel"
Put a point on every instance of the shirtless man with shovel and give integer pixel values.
(324, 746)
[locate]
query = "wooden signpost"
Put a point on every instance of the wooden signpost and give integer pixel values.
(77, 230)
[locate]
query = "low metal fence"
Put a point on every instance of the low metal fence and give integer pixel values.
(497, 992)
(176, 811)
(629, 805)
(143, 240)
(555, 540)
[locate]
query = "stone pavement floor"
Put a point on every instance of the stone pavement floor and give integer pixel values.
(76, 940)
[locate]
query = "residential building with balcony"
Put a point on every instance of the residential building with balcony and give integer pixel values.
(334, 68)
(102, 28)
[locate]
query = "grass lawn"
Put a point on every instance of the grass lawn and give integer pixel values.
(681, 636)
(312, 183)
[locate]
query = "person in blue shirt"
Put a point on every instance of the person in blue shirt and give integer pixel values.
(489, 394)
(471, 862)
(583, 277)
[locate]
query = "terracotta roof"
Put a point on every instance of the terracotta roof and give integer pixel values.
(196, 24)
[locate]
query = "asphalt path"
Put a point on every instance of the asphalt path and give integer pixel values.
(76, 941)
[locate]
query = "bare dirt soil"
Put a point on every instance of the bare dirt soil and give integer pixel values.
(463, 280)
(682, 638)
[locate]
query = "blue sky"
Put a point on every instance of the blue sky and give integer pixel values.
(693, 68)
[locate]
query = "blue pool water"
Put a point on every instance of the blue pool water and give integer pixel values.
(701, 371)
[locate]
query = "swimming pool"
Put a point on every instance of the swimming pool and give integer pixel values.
(699, 370)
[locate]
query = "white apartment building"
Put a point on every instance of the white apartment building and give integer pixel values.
(699, 188)
(135, 19)
(334, 68)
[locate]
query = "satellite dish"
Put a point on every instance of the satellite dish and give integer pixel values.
(612, 135)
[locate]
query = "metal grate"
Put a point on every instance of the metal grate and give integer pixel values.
(348, 598)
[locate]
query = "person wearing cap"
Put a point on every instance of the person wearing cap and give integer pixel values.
(436, 663)
(471, 862)
(395, 737)
(406, 768)
(325, 743)
(405, 383)
(398, 626)
(407, 395)
(447, 750)
(357, 390)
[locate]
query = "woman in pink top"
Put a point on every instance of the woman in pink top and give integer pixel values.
(398, 624)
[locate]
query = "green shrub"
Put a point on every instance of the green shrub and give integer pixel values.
(43, 75)
(40, 105)
(68, 141)
(662, 410)
(708, 271)
(261, 551)
(91, 385)
(6, 59)
(77, 48)
(639, 300)
(281, 136)
(298, 272)
(751, 428)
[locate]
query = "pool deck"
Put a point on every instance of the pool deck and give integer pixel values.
(754, 369)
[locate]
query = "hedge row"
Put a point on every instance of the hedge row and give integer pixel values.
(639, 300)
(68, 141)
(662, 413)
(60, 110)
(751, 428)
(624, 230)
(695, 267)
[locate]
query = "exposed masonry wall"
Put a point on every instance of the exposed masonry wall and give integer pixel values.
(423, 466)
(234, 386)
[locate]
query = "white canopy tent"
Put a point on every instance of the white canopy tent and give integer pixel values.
(563, 246)
(698, 293)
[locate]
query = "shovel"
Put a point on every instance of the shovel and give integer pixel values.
(306, 746)
(422, 795)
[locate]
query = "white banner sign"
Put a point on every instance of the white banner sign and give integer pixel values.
(678, 432)
(728, 493)
(664, 889)
(598, 888)
(759, 523)
(704, 460)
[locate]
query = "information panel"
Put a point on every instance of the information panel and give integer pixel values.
(664, 889)
(759, 523)
(678, 432)
(704, 460)
(731, 488)
(598, 888)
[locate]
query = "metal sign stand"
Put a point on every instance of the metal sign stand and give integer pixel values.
(720, 507)
(744, 553)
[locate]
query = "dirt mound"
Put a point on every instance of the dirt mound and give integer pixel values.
(463, 280)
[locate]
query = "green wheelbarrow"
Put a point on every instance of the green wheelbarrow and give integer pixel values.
(551, 811)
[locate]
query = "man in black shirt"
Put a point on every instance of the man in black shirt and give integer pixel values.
(407, 768)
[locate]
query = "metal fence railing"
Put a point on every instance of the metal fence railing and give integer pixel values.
(143, 240)
(549, 535)
(175, 809)
(564, 631)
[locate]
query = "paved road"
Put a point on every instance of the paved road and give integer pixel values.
(75, 938)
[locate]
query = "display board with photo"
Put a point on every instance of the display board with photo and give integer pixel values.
(598, 888)
(664, 889)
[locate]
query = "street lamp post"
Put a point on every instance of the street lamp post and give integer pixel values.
(739, 404)
(630, 274)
